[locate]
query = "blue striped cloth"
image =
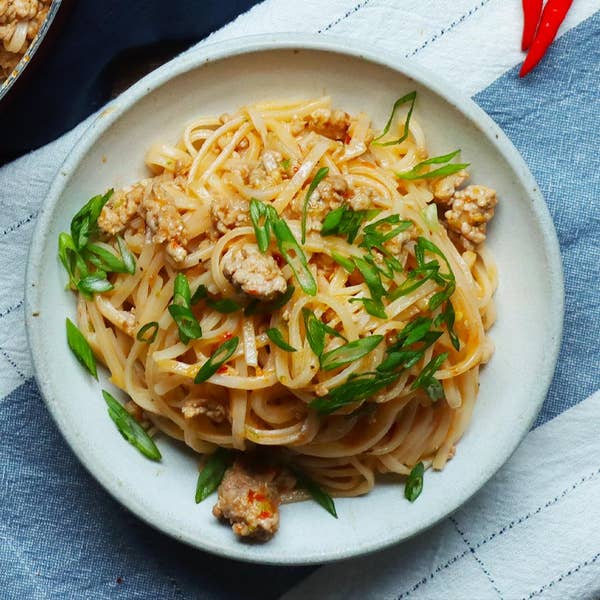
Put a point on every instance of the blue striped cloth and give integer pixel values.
(62, 536)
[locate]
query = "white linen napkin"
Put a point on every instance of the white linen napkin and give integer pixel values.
(516, 535)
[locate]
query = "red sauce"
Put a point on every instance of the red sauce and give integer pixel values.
(279, 259)
(265, 514)
(222, 369)
(255, 497)
(226, 336)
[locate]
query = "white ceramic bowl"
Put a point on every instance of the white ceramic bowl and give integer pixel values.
(219, 78)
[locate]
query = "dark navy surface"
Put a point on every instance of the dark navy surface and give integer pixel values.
(75, 72)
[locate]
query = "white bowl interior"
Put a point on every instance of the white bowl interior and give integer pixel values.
(529, 299)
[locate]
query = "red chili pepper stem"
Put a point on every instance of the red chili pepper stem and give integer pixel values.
(532, 9)
(553, 15)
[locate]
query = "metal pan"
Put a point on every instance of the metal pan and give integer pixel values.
(29, 55)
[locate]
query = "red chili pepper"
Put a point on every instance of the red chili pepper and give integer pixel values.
(554, 14)
(532, 9)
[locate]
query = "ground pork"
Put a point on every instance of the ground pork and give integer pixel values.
(470, 211)
(443, 189)
(328, 195)
(268, 171)
(332, 124)
(229, 213)
(150, 200)
(164, 223)
(121, 207)
(249, 498)
(213, 409)
(256, 274)
(361, 199)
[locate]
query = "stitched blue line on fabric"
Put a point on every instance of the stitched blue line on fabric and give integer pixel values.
(563, 576)
(8, 310)
(500, 531)
(345, 16)
(445, 30)
(13, 364)
(477, 558)
(431, 575)
(19, 223)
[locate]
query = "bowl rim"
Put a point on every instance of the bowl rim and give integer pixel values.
(213, 52)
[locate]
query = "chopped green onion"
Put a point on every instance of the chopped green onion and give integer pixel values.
(346, 263)
(84, 223)
(349, 352)
(373, 307)
(371, 276)
(332, 221)
(414, 483)
(262, 216)
(220, 356)
(373, 238)
(277, 338)
(294, 256)
(285, 164)
(424, 244)
(258, 307)
(355, 389)
(386, 264)
(414, 331)
(130, 429)
(81, 348)
(410, 97)
(126, 256)
(449, 279)
(449, 169)
(181, 290)
(212, 474)
(402, 358)
(440, 297)
(199, 294)
(411, 283)
(400, 355)
(67, 252)
(315, 490)
(109, 262)
(316, 331)
(95, 284)
(223, 305)
(144, 336)
(189, 328)
(321, 174)
(344, 221)
(315, 334)
(426, 379)
(181, 311)
(448, 316)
